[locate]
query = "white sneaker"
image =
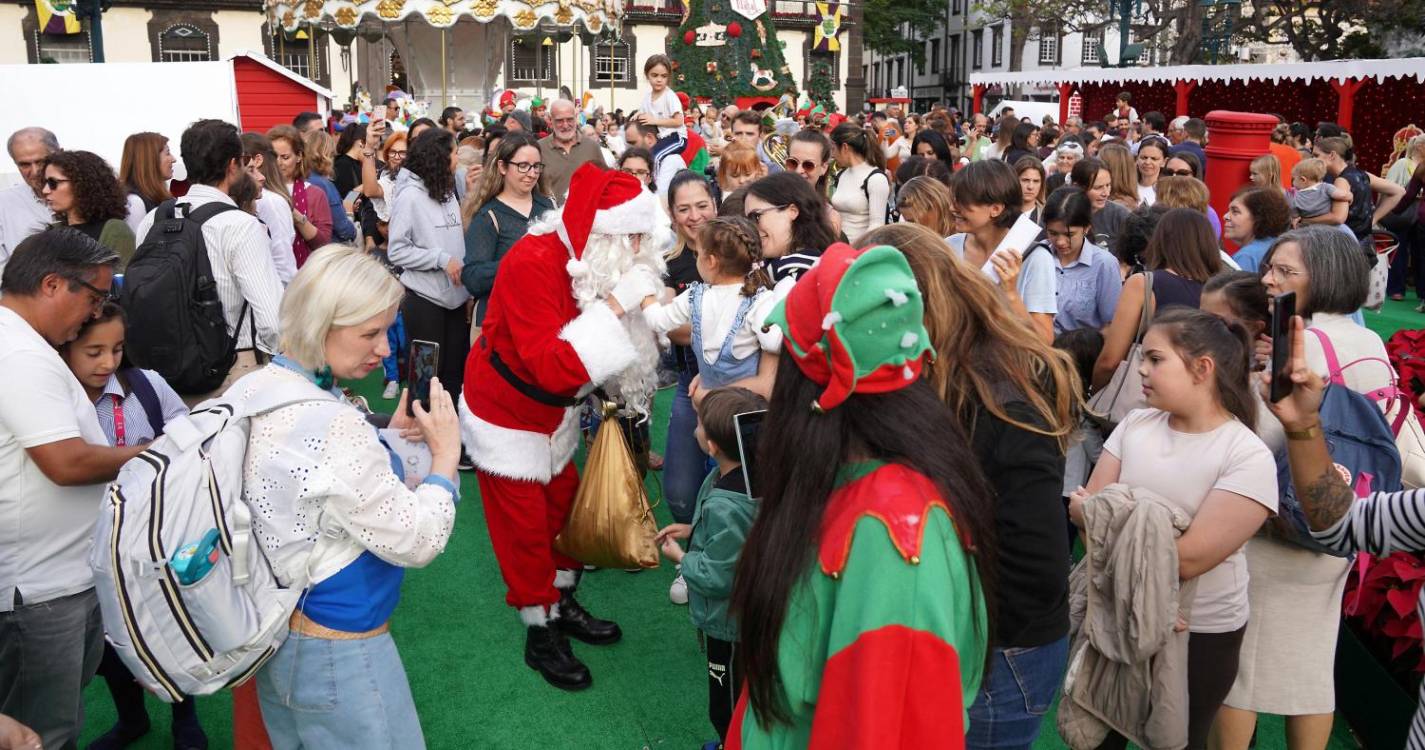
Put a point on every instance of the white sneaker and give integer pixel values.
(393, 390)
(678, 592)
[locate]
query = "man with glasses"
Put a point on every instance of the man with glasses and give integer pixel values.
(53, 467)
(566, 149)
(1194, 131)
(22, 208)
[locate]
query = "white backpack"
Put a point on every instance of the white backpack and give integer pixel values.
(192, 640)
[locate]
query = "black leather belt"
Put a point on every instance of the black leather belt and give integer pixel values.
(528, 389)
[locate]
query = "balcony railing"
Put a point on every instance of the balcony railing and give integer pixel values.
(782, 10)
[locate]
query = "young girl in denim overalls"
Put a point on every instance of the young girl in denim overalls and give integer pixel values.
(725, 312)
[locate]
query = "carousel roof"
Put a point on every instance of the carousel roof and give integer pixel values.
(1330, 70)
(594, 15)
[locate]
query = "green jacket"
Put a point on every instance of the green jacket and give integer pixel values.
(720, 524)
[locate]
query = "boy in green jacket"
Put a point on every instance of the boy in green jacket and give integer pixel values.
(723, 514)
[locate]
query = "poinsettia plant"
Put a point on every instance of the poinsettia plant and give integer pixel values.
(1382, 605)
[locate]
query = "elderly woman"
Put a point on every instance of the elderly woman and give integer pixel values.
(1254, 219)
(1295, 594)
(318, 469)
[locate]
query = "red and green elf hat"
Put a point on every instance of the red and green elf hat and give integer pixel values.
(855, 323)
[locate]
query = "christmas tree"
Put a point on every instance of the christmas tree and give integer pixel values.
(726, 49)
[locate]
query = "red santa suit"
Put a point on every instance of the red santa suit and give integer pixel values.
(538, 353)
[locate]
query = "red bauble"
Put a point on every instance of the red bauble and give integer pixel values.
(689, 37)
(734, 29)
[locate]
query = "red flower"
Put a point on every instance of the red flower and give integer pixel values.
(1382, 604)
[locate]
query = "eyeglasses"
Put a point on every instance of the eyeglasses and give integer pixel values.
(1279, 271)
(639, 173)
(395, 153)
(97, 296)
(53, 183)
(756, 216)
(1177, 173)
(806, 165)
(523, 167)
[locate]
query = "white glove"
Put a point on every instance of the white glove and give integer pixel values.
(639, 283)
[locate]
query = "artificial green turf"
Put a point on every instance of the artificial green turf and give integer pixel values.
(462, 649)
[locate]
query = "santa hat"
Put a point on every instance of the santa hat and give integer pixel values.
(605, 201)
(507, 99)
(855, 323)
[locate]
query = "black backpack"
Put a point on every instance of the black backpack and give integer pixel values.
(892, 215)
(175, 319)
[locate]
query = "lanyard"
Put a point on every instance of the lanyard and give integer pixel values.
(118, 418)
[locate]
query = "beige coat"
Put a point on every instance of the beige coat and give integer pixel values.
(1127, 665)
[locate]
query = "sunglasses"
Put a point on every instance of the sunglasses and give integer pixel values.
(53, 183)
(1177, 173)
(805, 165)
(756, 216)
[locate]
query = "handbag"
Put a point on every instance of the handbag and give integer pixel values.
(1124, 392)
(611, 523)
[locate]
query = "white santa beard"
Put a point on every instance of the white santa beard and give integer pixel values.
(605, 260)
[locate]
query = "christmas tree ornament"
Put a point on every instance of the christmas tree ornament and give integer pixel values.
(689, 37)
(682, 78)
(761, 33)
(712, 66)
(756, 54)
(763, 80)
(734, 29)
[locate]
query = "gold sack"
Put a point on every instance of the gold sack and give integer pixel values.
(611, 524)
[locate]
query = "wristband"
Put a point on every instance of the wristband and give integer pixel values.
(1310, 433)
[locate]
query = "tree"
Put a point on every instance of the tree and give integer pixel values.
(892, 27)
(722, 55)
(1330, 30)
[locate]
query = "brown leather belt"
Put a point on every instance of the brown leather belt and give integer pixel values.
(300, 623)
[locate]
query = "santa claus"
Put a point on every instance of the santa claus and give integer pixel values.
(564, 318)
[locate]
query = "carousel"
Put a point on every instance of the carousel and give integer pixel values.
(452, 51)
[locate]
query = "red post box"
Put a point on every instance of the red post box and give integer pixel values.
(1234, 139)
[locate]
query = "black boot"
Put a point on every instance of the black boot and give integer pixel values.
(576, 622)
(547, 651)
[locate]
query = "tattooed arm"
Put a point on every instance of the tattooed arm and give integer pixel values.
(1325, 497)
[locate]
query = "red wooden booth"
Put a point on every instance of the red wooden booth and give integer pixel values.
(269, 94)
(1369, 98)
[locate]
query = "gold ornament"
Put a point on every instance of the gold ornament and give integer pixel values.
(312, 8)
(289, 20)
(525, 19)
(594, 23)
(564, 14)
(485, 8)
(390, 9)
(439, 15)
(346, 16)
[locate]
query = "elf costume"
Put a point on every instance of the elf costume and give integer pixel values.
(884, 639)
(537, 356)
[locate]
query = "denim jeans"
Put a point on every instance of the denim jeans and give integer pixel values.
(48, 653)
(1016, 694)
(321, 694)
(684, 463)
(393, 363)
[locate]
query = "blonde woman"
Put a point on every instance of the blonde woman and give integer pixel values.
(337, 681)
(928, 202)
(1016, 398)
(1124, 171)
(320, 151)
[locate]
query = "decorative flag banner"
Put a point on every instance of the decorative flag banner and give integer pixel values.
(828, 25)
(750, 9)
(57, 17)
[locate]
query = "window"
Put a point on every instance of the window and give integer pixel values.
(184, 43)
(955, 7)
(63, 48)
(876, 81)
(935, 55)
(997, 46)
(530, 62)
(900, 72)
(1093, 41)
(955, 57)
(977, 49)
(612, 63)
(1049, 46)
(920, 64)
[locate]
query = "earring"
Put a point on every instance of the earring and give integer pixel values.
(324, 378)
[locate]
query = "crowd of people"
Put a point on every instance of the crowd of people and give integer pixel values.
(923, 305)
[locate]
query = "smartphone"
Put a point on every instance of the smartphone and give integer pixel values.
(749, 425)
(1283, 308)
(424, 363)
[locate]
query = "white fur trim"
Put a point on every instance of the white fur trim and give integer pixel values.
(539, 615)
(565, 579)
(601, 341)
(576, 268)
(519, 454)
(641, 215)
